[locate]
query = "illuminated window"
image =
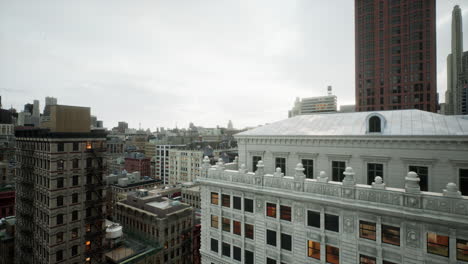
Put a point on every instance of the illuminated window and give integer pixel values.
(249, 231)
(391, 235)
(271, 210)
(367, 230)
(363, 259)
(226, 200)
(285, 212)
(333, 254)
(236, 226)
(313, 249)
(462, 249)
(89, 145)
(214, 198)
(438, 245)
(214, 221)
(226, 225)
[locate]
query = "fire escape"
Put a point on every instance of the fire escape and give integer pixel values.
(25, 206)
(94, 204)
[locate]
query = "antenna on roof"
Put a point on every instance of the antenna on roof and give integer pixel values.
(329, 90)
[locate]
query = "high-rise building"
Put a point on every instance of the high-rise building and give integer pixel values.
(395, 55)
(312, 105)
(457, 69)
(60, 206)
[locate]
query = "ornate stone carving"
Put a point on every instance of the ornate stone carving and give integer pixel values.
(412, 236)
(378, 183)
(412, 182)
(299, 214)
(348, 224)
(322, 177)
(452, 191)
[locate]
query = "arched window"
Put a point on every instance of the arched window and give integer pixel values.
(374, 124)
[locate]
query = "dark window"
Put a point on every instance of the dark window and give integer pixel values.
(281, 163)
(59, 237)
(391, 235)
(286, 241)
(248, 257)
(59, 219)
(271, 261)
(236, 227)
(75, 146)
(60, 182)
(74, 250)
(271, 210)
(74, 215)
(226, 200)
(214, 198)
(59, 255)
(338, 167)
(236, 253)
(333, 254)
(74, 198)
(463, 173)
(60, 147)
(285, 212)
(374, 124)
(249, 231)
(271, 237)
(214, 245)
(313, 249)
(462, 249)
(363, 259)
(255, 160)
(75, 163)
(226, 250)
(373, 170)
(237, 202)
(248, 205)
(437, 244)
(89, 162)
(367, 230)
(313, 219)
(422, 172)
(332, 222)
(74, 233)
(60, 164)
(308, 168)
(388, 262)
(89, 195)
(214, 221)
(59, 200)
(226, 224)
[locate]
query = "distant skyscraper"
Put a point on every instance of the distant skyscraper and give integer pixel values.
(48, 102)
(314, 105)
(455, 96)
(230, 126)
(395, 55)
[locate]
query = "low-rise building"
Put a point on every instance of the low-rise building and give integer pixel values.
(135, 161)
(7, 240)
(169, 223)
(7, 200)
(191, 196)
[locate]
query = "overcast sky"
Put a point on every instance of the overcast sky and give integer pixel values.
(168, 63)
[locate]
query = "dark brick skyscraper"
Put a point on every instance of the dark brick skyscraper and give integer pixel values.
(395, 55)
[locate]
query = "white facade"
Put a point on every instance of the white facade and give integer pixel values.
(313, 105)
(184, 165)
(162, 162)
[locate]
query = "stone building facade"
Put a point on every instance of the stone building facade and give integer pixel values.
(271, 218)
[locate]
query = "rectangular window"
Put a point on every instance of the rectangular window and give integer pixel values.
(226, 249)
(388, 262)
(308, 168)
(463, 175)
(59, 255)
(60, 201)
(391, 235)
(367, 230)
(363, 259)
(60, 182)
(236, 226)
(59, 219)
(313, 249)
(214, 245)
(422, 172)
(74, 250)
(249, 231)
(462, 249)
(281, 163)
(59, 237)
(333, 254)
(75, 146)
(214, 221)
(271, 237)
(60, 147)
(255, 160)
(285, 212)
(437, 244)
(75, 163)
(226, 200)
(74, 215)
(332, 222)
(313, 219)
(286, 241)
(373, 170)
(226, 224)
(248, 205)
(236, 252)
(237, 204)
(270, 261)
(249, 257)
(338, 167)
(214, 198)
(271, 210)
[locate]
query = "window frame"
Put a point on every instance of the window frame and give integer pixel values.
(459, 249)
(237, 202)
(226, 224)
(438, 245)
(236, 227)
(367, 259)
(313, 250)
(424, 180)
(309, 212)
(214, 219)
(329, 251)
(270, 210)
(287, 215)
(226, 249)
(385, 227)
(249, 231)
(214, 198)
(308, 168)
(329, 218)
(374, 171)
(226, 200)
(364, 228)
(271, 238)
(280, 162)
(248, 205)
(214, 245)
(338, 177)
(287, 244)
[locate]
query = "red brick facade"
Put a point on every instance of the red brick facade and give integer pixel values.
(142, 165)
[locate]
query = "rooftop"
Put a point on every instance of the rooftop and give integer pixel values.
(396, 123)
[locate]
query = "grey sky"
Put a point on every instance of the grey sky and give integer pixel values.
(170, 62)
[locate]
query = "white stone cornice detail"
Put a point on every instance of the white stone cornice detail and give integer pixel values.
(303, 155)
(280, 154)
(257, 153)
(375, 158)
(339, 156)
(419, 161)
(459, 163)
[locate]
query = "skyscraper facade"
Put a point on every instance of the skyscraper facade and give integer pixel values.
(395, 55)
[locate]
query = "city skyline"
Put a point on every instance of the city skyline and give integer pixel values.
(170, 60)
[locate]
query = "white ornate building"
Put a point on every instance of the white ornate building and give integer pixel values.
(267, 217)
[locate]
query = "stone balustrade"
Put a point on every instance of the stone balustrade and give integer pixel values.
(450, 201)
